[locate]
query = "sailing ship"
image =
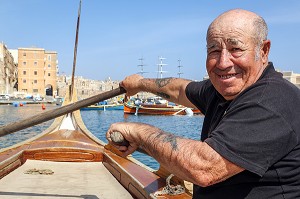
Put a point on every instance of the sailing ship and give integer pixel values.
(156, 105)
(68, 161)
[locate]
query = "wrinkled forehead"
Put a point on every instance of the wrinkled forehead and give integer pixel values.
(230, 28)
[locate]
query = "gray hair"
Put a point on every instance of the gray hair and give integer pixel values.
(260, 34)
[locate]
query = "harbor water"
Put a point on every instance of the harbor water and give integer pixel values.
(98, 121)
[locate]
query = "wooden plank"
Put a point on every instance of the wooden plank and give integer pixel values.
(69, 180)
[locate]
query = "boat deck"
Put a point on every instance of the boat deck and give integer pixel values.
(86, 180)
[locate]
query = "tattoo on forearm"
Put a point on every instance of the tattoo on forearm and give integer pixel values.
(163, 81)
(172, 139)
(164, 95)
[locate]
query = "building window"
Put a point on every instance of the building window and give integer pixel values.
(24, 72)
(35, 90)
(24, 54)
(35, 63)
(49, 74)
(24, 63)
(35, 72)
(35, 81)
(49, 65)
(24, 81)
(49, 57)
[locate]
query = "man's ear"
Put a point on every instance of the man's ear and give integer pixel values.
(265, 49)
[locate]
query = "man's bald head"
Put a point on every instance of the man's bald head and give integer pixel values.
(248, 21)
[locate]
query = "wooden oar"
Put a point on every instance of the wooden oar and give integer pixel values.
(51, 114)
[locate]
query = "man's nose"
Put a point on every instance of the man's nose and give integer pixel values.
(224, 60)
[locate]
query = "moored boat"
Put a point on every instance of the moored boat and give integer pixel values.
(158, 109)
(104, 107)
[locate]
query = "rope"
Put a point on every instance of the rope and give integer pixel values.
(170, 189)
(39, 171)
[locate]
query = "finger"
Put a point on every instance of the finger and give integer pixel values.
(122, 148)
(130, 149)
(108, 136)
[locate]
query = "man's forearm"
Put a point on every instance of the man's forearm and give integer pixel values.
(169, 150)
(188, 159)
(171, 89)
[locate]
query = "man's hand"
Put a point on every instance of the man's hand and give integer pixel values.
(129, 132)
(132, 84)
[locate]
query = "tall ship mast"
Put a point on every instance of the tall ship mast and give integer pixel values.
(160, 67)
(142, 72)
(141, 65)
(179, 68)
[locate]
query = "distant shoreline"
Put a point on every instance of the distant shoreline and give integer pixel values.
(23, 101)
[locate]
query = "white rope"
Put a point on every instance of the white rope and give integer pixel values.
(170, 189)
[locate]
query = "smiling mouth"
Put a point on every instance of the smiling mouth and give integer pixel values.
(228, 76)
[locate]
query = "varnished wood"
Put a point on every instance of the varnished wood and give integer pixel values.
(136, 176)
(80, 145)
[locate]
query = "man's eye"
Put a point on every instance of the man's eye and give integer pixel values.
(236, 52)
(213, 51)
(236, 49)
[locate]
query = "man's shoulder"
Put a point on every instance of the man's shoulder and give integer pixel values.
(197, 85)
(273, 93)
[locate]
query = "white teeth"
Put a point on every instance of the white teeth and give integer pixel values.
(227, 76)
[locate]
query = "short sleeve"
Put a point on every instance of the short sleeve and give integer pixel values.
(199, 94)
(252, 136)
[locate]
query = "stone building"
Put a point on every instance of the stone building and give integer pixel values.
(85, 87)
(292, 77)
(37, 71)
(8, 71)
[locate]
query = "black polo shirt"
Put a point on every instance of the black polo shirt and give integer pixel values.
(259, 131)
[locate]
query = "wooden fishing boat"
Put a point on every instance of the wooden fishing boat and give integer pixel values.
(158, 109)
(68, 161)
(104, 107)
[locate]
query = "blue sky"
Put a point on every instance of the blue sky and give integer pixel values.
(114, 34)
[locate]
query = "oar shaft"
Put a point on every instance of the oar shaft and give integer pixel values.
(51, 114)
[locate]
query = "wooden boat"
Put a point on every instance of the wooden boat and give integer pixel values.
(158, 109)
(70, 162)
(104, 107)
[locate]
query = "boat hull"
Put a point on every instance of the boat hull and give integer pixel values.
(73, 145)
(104, 107)
(159, 109)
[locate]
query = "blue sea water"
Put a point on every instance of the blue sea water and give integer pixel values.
(98, 122)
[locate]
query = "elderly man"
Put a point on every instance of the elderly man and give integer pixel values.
(250, 140)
